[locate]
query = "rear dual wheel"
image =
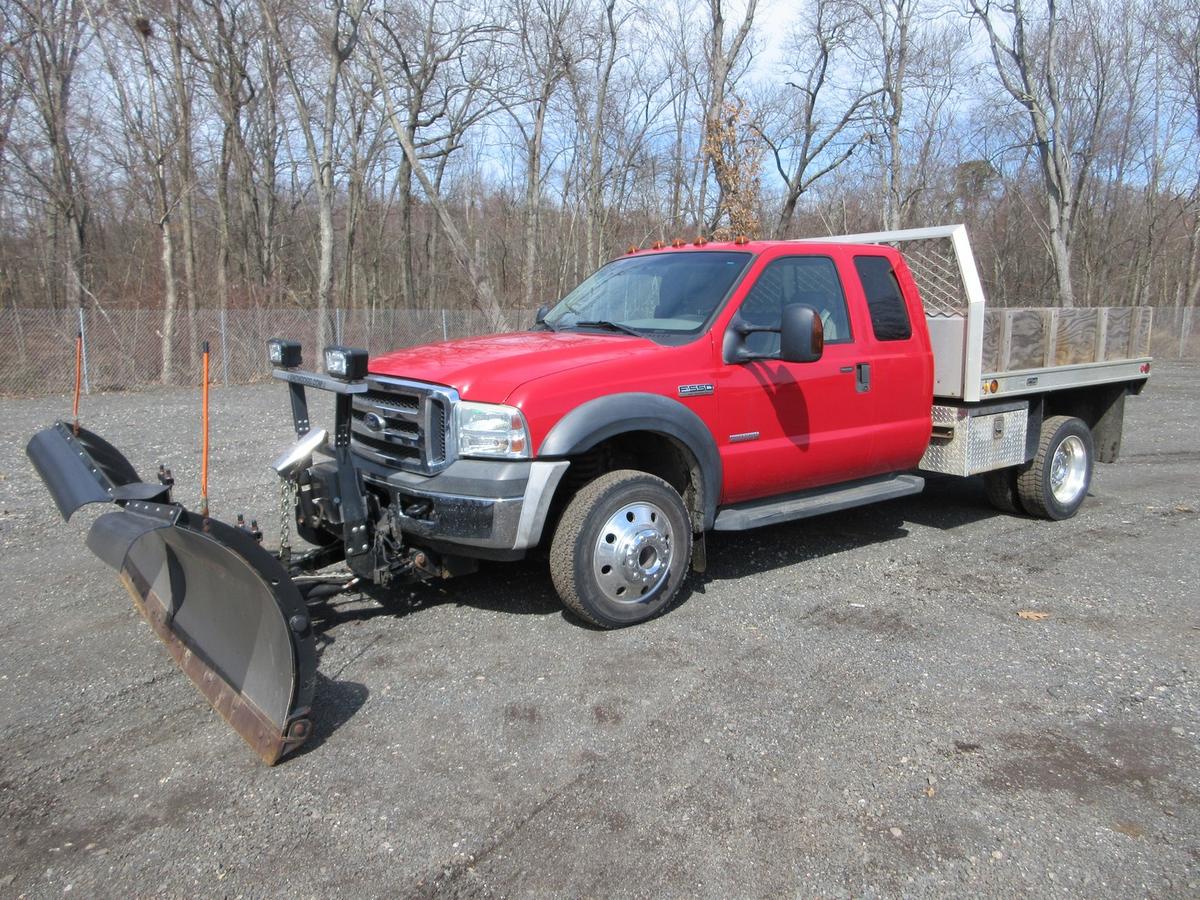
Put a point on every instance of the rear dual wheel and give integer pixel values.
(621, 550)
(1055, 482)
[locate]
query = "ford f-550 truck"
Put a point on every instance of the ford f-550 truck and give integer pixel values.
(680, 389)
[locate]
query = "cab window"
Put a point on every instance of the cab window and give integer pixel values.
(889, 315)
(808, 280)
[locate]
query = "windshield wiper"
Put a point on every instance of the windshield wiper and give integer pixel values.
(606, 324)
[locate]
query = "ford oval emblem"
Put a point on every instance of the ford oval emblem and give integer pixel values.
(374, 422)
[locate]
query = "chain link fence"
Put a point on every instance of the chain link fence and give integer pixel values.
(123, 349)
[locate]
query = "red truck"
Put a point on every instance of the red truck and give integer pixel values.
(678, 390)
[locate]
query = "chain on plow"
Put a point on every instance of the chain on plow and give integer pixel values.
(287, 503)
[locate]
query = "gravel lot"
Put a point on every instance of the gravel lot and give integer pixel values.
(845, 706)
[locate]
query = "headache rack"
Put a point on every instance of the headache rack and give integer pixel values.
(1023, 350)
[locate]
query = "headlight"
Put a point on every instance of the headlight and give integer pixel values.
(346, 363)
(284, 353)
(490, 429)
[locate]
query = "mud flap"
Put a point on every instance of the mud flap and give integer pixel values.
(225, 608)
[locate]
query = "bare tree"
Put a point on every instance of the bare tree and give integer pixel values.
(1030, 61)
(53, 35)
(384, 38)
(813, 123)
(338, 35)
(723, 56)
(150, 137)
(222, 48)
(543, 63)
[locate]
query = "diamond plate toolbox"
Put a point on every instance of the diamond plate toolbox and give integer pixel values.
(970, 440)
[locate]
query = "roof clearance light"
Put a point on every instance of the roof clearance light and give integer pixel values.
(700, 240)
(632, 248)
(742, 240)
(678, 242)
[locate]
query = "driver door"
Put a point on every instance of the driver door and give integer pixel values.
(790, 426)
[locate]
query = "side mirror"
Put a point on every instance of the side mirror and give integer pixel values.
(540, 316)
(801, 334)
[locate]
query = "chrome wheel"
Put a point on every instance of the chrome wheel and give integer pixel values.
(1068, 470)
(633, 553)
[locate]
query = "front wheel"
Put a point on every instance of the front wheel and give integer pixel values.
(1053, 484)
(621, 549)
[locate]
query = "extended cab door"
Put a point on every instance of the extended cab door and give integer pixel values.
(901, 362)
(789, 426)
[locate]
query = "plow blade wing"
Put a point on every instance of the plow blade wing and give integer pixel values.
(225, 608)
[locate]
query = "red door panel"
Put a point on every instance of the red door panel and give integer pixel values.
(901, 360)
(789, 426)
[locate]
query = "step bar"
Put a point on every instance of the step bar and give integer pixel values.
(802, 505)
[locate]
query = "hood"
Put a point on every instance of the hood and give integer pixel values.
(492, 367)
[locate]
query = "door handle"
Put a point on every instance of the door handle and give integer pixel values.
(846, 370)
(862, 377)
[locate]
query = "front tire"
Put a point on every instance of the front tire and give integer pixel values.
(621, 550)
(1055, 482)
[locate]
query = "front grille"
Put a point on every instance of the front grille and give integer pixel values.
(410, 420)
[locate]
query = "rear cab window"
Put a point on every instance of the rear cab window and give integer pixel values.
(885, 300)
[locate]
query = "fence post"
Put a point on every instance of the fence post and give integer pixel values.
(87, 386)
(224, 353)
(445, 333)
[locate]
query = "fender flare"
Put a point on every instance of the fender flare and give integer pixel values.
(597, 420)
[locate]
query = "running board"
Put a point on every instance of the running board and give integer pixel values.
(758, 513)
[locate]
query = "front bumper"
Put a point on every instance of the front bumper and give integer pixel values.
(499, 507)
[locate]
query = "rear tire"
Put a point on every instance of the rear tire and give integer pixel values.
(621, 550)
(1055, 482)
(1001, 487)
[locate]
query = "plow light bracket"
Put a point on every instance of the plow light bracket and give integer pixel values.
(287, 354)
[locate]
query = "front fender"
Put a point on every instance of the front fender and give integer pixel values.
(597, 420)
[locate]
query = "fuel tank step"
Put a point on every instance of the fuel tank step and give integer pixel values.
(817, 502)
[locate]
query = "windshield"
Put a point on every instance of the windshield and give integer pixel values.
(666, 293)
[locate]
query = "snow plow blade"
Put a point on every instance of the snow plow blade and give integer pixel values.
(224, 607)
